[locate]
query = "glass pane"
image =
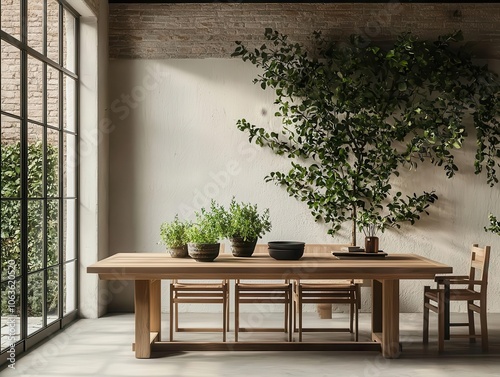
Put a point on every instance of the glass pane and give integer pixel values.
(69, 93)
(69, 41)
(53, 30)
(35, 235)
(35, 25)
(69, 165)
(11, 157)
(11, 237)
(11, 17)
(11, 78)
(10, 312)
(69, 299)
(52, 97)
(35, 302)
(35, 89)
(69, 236)
(52, 294)
(35, 161)
(52, 232)
(52, 163)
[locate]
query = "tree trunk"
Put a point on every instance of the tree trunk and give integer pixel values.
(354, 225)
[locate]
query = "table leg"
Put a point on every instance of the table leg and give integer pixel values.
(390, 319)
(376, 308)
(385, 316)
(142, 299)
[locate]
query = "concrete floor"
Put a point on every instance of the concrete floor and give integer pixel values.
(102, 348)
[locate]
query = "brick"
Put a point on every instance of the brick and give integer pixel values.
(209, 30)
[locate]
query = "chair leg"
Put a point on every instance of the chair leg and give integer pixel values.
(357, 323)
(351, 316)
(236, 313)
(441, 320)
(225, 305)
(358, 307)
(295, 308)
(176, 314)
(290, 314)
(472, 327)
(484, 329)
(299, 310)
(171, 315)
(285, 326)
(228, 321)
(425, 332)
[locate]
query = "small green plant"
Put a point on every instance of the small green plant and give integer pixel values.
(245, 221)
(494, 225)
(210, 226)
(173, 234)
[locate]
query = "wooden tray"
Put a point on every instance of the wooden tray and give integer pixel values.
(358, 255)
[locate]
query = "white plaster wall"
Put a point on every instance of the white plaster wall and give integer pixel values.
(93, 154)
(176, 145)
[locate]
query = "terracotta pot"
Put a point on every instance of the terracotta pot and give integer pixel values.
(203, 252)
(371, 244)
(178, 252)
(241, 248)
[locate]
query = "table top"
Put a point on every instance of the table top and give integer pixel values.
(151, 266)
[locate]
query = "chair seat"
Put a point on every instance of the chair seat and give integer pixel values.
(198, 286)
(257, 286)
(328, 287)
(329, 282)
(456, 294)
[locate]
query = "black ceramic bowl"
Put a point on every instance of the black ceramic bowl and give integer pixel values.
(286, 250)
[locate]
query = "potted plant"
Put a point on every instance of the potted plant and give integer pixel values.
(371, 240)
(246, 225)
(173, 236)
(203, 236)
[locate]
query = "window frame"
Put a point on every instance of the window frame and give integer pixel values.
(28, 340)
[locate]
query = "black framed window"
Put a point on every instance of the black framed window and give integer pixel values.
(39, 170)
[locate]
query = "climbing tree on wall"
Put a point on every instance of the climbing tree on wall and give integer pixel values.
(354, 115)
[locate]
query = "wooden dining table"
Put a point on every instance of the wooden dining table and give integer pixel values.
(148, 269)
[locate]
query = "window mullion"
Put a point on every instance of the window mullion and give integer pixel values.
(24, 173)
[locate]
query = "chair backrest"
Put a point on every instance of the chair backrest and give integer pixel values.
(479, 265)
(315, 248)
(261, 248)
(221, 251)
(323, 248)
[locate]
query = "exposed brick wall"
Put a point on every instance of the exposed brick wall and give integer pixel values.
(94, 5)
(154, 31)
(11, 68)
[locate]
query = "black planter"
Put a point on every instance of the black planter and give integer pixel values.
(203, 252)
(178, 252)
(241, 248)
(286, 250)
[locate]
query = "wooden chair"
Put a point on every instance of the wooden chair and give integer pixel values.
(438, 300)
(326, 292)
(199, 293)
(269, 292)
